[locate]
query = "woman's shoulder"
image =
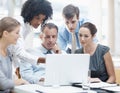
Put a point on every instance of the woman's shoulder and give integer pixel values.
(103, 48)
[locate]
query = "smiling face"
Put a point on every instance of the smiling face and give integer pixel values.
(37, 20)
(71, 23)
(9, 30)
(49, 37)
(85, 36)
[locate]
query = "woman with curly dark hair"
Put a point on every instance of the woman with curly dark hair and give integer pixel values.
(34, 13)
(36, 10)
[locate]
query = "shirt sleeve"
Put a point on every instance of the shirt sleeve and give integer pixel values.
(18, 51)
(5, 83)
(31, 72)
(104, 49)
(61, 40)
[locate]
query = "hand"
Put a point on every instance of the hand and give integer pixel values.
(41, 60)
(21, 82)
(42, 80)
(95, 80)
(56, 49)
(17, 72)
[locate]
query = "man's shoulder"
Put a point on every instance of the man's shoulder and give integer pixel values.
(83, 20)
(61, 28)
(37, 51)
(63, 33)
(33, 50)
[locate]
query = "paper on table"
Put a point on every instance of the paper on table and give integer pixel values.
(116, 89)
(32, 88)
(102, 85)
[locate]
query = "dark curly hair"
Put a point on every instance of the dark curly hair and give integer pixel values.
(33, 8)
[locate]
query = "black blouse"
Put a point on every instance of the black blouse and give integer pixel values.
(97, 63)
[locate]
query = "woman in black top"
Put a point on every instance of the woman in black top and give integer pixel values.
(101, 64)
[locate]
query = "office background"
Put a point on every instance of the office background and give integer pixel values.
(104, 13)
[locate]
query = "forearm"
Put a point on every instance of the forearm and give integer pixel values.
(24, 55)
(32, 78)
(111, 79)
(5, 83)
(19, 51)
(29, 72)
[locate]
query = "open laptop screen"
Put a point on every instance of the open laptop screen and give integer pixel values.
(64, 69)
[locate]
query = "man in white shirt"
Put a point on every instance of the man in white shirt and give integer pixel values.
(35, 73)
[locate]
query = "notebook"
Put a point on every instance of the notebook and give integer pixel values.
(65, 69)
(97, 85)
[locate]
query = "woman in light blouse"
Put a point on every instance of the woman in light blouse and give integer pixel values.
(9, 34)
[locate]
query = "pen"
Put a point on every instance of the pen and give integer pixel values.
(39, 91)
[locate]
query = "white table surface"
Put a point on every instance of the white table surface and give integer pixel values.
(31, 88)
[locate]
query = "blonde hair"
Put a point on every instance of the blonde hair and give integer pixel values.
(8, 24)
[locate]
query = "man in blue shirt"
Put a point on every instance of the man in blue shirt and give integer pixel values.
(35, 73)
(73, 23)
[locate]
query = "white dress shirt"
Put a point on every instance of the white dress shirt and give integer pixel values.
(18, 51)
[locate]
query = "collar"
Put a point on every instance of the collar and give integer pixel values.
(44, 50)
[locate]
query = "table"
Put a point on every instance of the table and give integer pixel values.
(35, 88)
(31, 88)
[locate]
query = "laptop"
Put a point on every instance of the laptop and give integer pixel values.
(66, 69)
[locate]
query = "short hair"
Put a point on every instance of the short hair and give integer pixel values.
(33, 8)
(70, 10)
(50, 26)
(91, 27)
(8, 24)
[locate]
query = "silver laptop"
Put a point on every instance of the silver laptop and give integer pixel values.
(65, 69)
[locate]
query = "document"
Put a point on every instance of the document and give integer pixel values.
(97, 85)
(116, 89)
(101, 85)
(34, 88)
